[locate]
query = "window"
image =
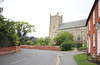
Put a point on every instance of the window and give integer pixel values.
(94, 40)
(99, 8)
(94, 17)
(89, 25)
(78, 38)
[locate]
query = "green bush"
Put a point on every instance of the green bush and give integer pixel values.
(65, 46)
(78, 45)
(29, 43)
(62, 37)
(84, 47)
(22, 43)
(4, 41)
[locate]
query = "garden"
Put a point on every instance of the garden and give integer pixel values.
(62, 39)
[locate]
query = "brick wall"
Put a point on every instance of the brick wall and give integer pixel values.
(93, 30)
(18, 49)
(54, 48)
(7, 50)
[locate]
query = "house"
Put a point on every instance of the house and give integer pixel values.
(77, 28)
(93, 29)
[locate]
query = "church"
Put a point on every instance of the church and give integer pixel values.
(77, 28)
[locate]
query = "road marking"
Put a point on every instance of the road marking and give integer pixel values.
(19, 61)
(58, 59)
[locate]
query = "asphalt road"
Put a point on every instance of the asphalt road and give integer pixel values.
(30, 57)
(39, 57)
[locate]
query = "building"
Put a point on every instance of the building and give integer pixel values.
(77, 28)
(93, 29)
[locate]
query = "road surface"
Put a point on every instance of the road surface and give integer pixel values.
(39, 57)
(30, 57)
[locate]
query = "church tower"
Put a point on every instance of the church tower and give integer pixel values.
(55, 21)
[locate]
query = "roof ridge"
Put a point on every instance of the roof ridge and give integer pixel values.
(74, 21)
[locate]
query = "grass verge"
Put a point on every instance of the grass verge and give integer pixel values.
(81, 58)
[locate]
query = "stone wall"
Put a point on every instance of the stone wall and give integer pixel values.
(53, 48)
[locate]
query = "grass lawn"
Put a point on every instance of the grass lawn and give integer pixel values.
(81, 58)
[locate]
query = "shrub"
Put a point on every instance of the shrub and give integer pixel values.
(22, 43)
(4, 41)
(44, 41)
(29, 43)
(62, 37)
(38, 44)
(78, 45)
(18, 43)
(84, 47)
(43, 44)
(65, 46)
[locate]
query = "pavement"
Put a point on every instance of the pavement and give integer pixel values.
(67, 58)
(39, 57)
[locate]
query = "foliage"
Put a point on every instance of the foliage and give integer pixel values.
(81, 58)
(62, 37)
(22, 28)
(4, 41)
(29, 43)
(78, 45)
(65, 46)
(38, 44)
(24, 39)
(18, 43)
(40, 40)
(84, 47)
(44, 41)
(33, 39)
(22, 43)
(8, 32)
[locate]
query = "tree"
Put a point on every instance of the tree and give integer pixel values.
(22, 28)
(7, 32)
(62, 37)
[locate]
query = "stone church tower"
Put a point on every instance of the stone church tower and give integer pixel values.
(55, 21)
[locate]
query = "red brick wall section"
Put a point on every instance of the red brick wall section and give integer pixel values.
(54, 48)
(18, 49)
(7, 50)
(93, 30)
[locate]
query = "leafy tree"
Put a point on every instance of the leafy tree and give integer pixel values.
(63, 36)
(7, 31)
(22, 28)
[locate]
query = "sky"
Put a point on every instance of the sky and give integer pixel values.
(37, 12)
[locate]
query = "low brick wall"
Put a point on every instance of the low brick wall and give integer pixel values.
(18, 49)
(54, 48)
(7, 50)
